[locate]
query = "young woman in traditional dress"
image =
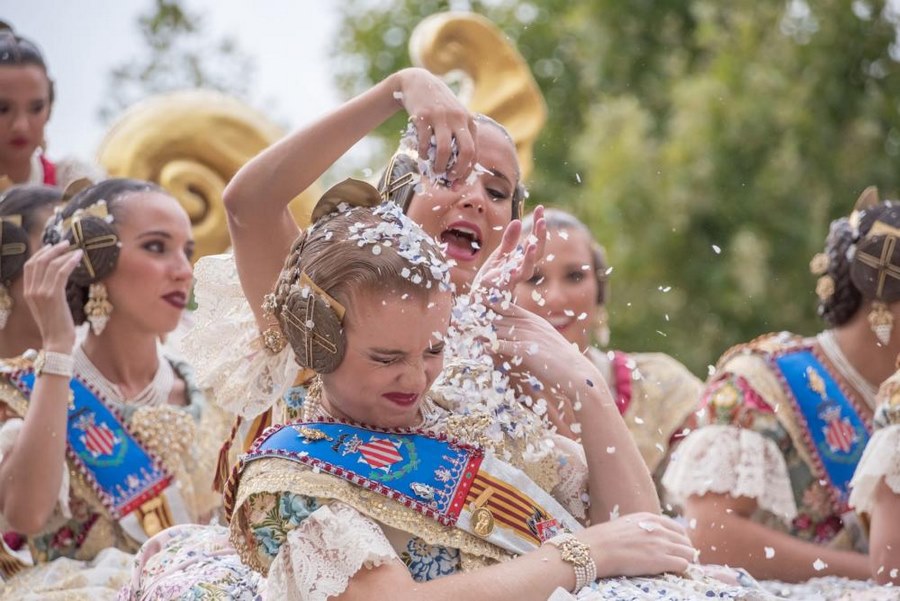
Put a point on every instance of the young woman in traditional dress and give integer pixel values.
(377, 490)
(656, 394)
(765, 482)
(24, 210)
(26, 97)
(101, 442)
(876, 486)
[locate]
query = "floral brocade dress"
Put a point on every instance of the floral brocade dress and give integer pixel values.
(83, 552)
(756, 441)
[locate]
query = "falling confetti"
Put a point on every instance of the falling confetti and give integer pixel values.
(819, 565)
(770, 552)
(716, 249)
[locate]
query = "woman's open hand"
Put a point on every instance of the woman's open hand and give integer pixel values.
(513, 262)
(45, 277)
(639, 544)
(436, 111)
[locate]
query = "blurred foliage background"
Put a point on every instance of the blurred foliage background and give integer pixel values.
(707, 144)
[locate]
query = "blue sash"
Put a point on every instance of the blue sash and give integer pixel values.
(431, 475)
(122, 473)
(837, 433)
(455, 484)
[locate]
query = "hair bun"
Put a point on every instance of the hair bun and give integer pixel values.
(98, 239)
(313, 330)
(867, 272)
(13, 251)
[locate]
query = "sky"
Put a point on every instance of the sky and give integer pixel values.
(290, 41)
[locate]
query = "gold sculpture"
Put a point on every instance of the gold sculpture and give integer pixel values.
(192, 143)
(500, 82)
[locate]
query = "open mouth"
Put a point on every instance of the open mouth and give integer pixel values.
(463, 242)
(176, 299)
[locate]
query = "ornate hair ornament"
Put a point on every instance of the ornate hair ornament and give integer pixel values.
(13, 243)
(875, 268)
(309, 317)
(85, 234)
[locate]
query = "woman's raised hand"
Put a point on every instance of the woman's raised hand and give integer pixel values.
(513, 262)
(45, 277)
(639, 544)
(436, 111)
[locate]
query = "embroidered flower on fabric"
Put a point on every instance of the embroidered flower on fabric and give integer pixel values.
(296, 508)
(295, 397)
(427, 562)
(269, 539)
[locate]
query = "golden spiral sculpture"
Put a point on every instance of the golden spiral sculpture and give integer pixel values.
(500, 83)
(192, 143)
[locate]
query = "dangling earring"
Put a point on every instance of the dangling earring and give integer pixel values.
(881, 321)
(6, 305)
(601, 326)
(98, 308)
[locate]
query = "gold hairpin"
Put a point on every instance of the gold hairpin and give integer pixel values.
(13, 219)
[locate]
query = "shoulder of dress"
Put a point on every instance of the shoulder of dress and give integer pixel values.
(11, 365)
(765, 345)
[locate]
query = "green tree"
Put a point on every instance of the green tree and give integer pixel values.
(713, 143)
(179, 55)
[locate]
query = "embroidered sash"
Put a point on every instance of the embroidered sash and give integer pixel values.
(133, 485)
(836, 433)
(450, 482)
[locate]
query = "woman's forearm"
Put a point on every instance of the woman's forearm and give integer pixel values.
(263, 188)
(736, 540)
(531, 577)
(619, 481)
(32, 471)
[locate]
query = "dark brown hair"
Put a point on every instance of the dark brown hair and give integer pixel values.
(27, 202)
(854, 284)
(103, 260)
(16, 51)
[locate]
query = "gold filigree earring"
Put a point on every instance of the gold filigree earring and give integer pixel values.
(881, 321)
(6, 305)
(98, 308)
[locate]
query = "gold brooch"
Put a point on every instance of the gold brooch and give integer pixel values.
(311, 434)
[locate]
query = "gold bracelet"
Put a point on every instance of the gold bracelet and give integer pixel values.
(578, 554)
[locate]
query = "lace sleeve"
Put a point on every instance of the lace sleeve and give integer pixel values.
(224, 344)
(881, 459)
(737, 461)
(9, 432)
(571, 490)
(320, 556)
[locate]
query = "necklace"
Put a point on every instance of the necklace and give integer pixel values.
(156, 393)
(828, 343)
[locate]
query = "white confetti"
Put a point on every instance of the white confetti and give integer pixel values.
(578, 178)
(893, 573)
(610, 450)
(819, 565)
(693, 524)
(716, 249)
(614, 514)
(770, 552)
(648, 526)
